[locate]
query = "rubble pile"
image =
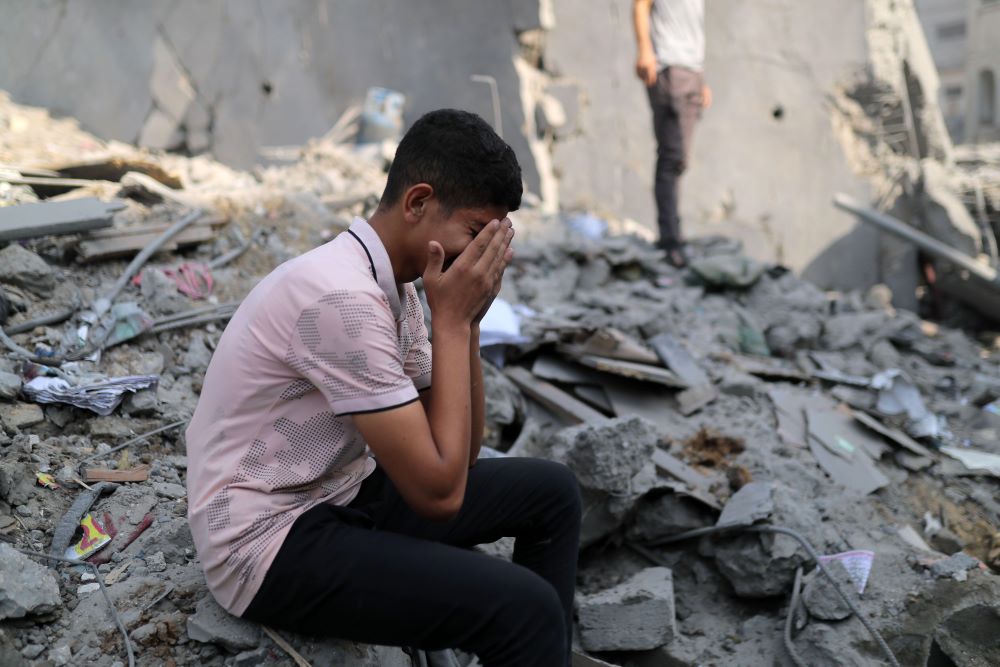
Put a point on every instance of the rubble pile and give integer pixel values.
(738, 434)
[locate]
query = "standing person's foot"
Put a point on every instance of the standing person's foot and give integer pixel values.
(675, 255)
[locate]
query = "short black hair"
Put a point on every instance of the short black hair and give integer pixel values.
(459, 155)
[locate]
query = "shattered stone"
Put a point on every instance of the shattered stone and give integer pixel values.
(212, 624)
(763, 564)
(636, 615)
(21, 415)
(667, 514)
(607, 456)
(17, 483)
(26, 588)
(156, 562)
(956, 566)
(61, 655)
(169, 490)
(10, 385)
(821, 598)
(23, 268)
(32, 651)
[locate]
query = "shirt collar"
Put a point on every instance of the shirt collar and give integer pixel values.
(380, 264)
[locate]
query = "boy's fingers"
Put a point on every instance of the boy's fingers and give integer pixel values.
(480, 245)
(499, 243)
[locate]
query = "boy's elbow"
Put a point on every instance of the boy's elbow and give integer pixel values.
(440, 509)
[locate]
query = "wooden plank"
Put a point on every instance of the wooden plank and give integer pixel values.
(559, 402)
(614, 344)
(124, 246)
(48, 182)
(137, 474)
(152, 228)
(112, 168)
(24, 221)
(631, 369)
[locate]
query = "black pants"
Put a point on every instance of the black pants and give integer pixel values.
(377, 573)
(676, 101)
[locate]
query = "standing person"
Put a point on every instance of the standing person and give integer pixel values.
(333, 488)
(670, 35)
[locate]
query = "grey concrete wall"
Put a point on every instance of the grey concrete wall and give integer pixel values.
(983, 56)
(242, 74)
(231, 76)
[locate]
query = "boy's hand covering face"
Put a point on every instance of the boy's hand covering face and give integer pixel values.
(462, 294)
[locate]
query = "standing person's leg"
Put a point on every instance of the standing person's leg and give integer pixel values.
(533, 500)
(686, 88)
(669, 158)
(335, 576)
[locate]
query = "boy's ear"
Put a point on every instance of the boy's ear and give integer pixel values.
(415, 201)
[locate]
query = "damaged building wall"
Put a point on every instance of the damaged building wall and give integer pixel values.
(982, 120)
(229, 77)
(769, 152)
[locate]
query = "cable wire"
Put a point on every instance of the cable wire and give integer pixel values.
(766, 528)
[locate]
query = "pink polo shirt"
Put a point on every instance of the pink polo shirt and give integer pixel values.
(326, 335)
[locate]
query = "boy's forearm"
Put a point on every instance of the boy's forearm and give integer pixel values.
(450, 405)
(478, 396)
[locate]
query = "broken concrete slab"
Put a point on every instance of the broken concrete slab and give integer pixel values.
(843, 457)
(56, 217)
(26, 588)
(636, 615)
(212, 624)
(752, 503)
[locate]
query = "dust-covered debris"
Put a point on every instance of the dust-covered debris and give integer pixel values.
(671, 394)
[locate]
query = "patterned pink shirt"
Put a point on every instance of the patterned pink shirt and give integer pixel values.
(324, 336)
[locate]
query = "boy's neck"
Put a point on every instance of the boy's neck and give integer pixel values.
(390, 228)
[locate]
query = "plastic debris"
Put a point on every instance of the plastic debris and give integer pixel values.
(46, 480)
(95, 537)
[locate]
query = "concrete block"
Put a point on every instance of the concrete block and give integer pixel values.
(636, 615)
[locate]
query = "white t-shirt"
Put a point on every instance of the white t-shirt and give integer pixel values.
(677, 28)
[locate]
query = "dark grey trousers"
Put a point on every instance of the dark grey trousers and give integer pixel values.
(676, 100)
(376, 572)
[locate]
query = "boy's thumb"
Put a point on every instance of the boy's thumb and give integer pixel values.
(435, 259)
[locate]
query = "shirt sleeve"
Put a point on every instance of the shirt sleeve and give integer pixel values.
(418, 359)
(345, 344)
